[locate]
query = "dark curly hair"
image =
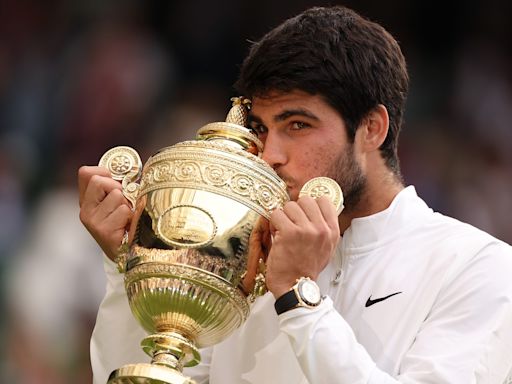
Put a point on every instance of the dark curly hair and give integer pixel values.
(353, 63)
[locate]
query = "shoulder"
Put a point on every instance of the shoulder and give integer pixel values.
(414, 219)
(459, 235)
(453, 243)
(467, 249)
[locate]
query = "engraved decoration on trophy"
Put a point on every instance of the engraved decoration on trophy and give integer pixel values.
(189, 272)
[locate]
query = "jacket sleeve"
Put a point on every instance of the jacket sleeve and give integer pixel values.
(466, 338)
(326, 347)
(116, 337)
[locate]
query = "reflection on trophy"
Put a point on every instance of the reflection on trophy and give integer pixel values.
(189, 275)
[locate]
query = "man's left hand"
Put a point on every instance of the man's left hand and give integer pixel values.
(305, 235)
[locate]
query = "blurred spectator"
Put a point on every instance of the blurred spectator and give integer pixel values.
(106, 85)
(55, 286)
(115, 77)
(11, 202)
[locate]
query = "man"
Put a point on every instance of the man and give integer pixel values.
(411, 296)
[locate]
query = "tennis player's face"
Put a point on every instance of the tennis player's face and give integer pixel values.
(304, 137)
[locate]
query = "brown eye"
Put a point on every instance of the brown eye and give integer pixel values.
(258, 129)
(298, 125)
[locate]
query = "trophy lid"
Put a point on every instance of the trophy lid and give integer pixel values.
(233, 131)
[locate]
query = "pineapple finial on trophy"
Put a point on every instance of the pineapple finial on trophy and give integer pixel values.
(239, 110)
(234, 131)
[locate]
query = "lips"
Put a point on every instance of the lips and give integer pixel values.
(291, 191)
(291, 185)
(290, 188)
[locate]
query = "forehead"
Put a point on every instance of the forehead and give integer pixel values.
(276, 103)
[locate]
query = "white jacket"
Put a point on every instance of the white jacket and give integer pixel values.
(445, 314)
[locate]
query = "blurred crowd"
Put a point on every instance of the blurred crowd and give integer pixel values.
(79, 77)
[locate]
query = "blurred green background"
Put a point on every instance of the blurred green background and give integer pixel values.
(78, 77)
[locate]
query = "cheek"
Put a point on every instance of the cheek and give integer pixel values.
(317, 162)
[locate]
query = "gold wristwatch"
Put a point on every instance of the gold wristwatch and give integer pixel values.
(305, 293)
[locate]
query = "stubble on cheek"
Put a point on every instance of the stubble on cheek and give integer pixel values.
(349, 175)
(319, 164)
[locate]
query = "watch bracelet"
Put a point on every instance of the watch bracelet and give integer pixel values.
(286, 302)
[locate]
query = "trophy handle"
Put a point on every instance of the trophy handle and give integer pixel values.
(253, 283)
(131, 188)
(260, 285)
(124, 165)
(255, 286)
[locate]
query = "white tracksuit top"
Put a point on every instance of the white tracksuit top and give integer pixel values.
(412, 296)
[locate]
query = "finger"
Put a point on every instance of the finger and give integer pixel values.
(295, 213)
(261, 225)
(120, 218)
(95, 216)
(84, 176)
(258, 250)
(97, 189)
(260, 235)
(256, 236)
(110, 235)
(266, 238)
(311, 209)
(328, 211)
(111, 202)
(279, 220)
(272, 229)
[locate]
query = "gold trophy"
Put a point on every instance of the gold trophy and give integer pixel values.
(189, 275)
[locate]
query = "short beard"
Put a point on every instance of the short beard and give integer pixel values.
(347, 172)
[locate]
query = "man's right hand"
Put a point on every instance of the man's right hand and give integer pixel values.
(104, 211)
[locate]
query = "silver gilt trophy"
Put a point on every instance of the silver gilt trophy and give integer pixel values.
(189, 272)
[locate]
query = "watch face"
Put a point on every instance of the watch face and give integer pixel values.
(309, 292)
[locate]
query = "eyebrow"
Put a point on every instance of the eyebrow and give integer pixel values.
(286, 114)
(252, 118)
(294, 112)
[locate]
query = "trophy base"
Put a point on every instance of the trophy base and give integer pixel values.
(147, 374)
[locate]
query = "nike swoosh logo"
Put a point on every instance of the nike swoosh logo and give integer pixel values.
(375, 301)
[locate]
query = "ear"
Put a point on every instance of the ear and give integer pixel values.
(374, 129)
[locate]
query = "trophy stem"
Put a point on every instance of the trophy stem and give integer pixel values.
(147, 374)
(172, 350)
(167, 359)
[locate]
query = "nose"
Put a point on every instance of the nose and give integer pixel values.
(274, 151)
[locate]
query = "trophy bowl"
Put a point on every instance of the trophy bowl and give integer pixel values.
(189, 272)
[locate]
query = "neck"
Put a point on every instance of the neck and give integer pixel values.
(377, 196)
